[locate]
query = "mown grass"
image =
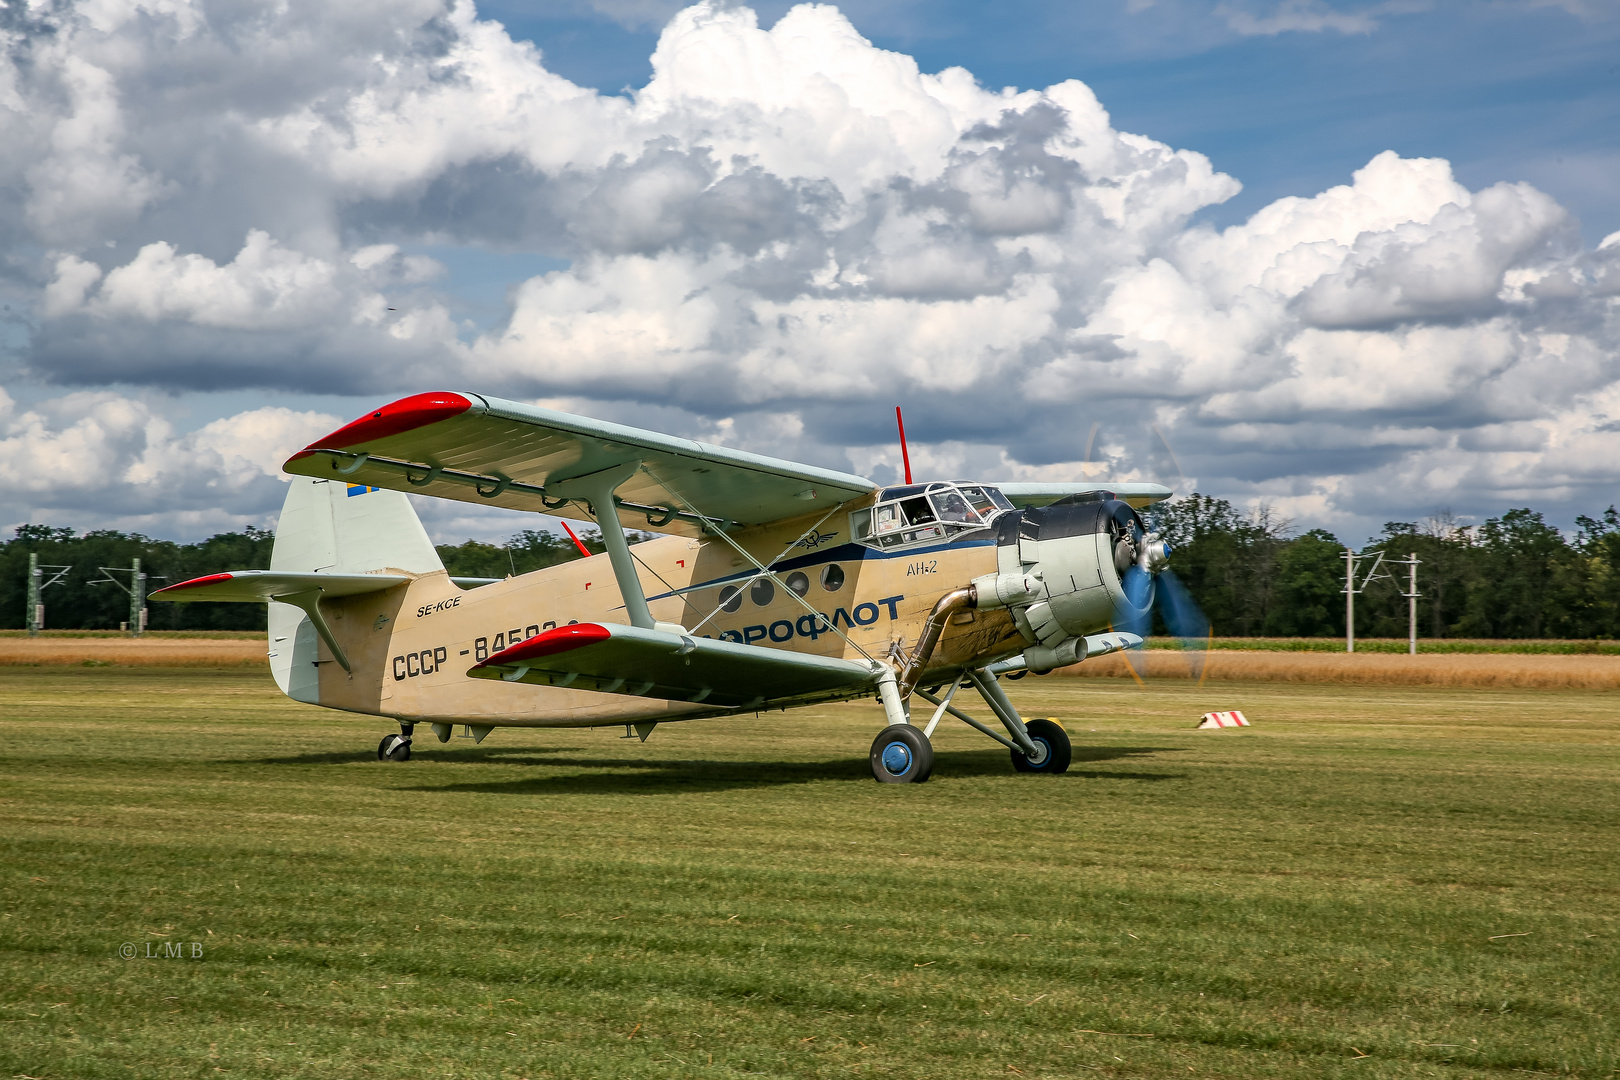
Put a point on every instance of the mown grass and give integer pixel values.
(1325, 894)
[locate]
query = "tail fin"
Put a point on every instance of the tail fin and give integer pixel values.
(327, 525)
(350, 529)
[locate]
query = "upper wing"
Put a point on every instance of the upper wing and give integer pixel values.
(504, 453)
(257, 586)
(617, 659)
(1028, 495)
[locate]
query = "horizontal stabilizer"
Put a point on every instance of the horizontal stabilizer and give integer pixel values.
(259, 586)
(615, 659)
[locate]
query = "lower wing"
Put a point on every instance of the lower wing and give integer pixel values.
(617, 659)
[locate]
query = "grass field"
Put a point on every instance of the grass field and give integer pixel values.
(1370, 882)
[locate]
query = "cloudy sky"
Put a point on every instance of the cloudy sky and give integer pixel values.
(1358, 260)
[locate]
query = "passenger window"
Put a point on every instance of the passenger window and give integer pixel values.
(762, 592)
(798, 582)
(832, 577)
(730, 598)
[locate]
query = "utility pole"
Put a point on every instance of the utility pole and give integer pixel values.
(35, 616)
(1411, 595)
(1351, 588)
(136, 589)
(1349, 600)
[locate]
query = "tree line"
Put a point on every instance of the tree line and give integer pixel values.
(84, 600)
(1514, 576)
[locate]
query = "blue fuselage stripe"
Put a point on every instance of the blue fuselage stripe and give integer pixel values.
(842, 553)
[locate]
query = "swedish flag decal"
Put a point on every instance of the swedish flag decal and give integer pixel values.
(360, 489)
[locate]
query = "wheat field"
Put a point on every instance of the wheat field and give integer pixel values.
(1463, 670)
(51, 651)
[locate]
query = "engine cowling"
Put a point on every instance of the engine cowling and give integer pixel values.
(1065, 571)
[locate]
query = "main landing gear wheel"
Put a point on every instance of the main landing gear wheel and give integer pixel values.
(394, 748)
(902, 755)
(1052, 742)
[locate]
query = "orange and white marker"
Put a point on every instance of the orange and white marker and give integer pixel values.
(1223, 719)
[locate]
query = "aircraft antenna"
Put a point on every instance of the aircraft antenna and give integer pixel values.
(905, 455)
(574, 538)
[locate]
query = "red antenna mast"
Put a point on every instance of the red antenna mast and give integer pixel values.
(575, 539)
(905, 455)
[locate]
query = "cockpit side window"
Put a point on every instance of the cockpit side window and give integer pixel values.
(918, 511)
(951, 506)
(919, 514)
(981, 499)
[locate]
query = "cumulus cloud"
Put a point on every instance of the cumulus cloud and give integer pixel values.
(786, 231)
(100, 458)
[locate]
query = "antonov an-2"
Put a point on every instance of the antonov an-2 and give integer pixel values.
(773, 585)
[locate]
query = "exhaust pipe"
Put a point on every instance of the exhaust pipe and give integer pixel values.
(962, 599)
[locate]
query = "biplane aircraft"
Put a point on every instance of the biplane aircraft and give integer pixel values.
(773, 584)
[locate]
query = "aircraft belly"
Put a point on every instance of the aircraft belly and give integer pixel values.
(549, 706)
(991, 636)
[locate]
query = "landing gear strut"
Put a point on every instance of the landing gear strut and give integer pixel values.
(396, 747)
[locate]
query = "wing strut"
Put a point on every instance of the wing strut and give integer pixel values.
(766, 571)
(597, 489)
(310, 603)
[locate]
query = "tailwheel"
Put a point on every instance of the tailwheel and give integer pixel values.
(902, 755)
(1052, 742)
(394, 748)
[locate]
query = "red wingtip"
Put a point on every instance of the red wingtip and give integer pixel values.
(406, 414)
(209, 579)
(561, 639)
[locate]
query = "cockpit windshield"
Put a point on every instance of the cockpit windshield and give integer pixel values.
(919, 513)
(986, 500)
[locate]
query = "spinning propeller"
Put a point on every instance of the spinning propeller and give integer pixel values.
(1142, 561)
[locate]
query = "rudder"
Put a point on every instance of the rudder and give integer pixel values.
(327, 525)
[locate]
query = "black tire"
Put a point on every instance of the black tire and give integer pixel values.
(394, 748)
(1050, 735)
(901, 754)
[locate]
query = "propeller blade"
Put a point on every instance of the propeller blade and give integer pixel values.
(1185, 619)
(1139, 588)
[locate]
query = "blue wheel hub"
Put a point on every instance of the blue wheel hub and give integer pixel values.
(896, 758)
